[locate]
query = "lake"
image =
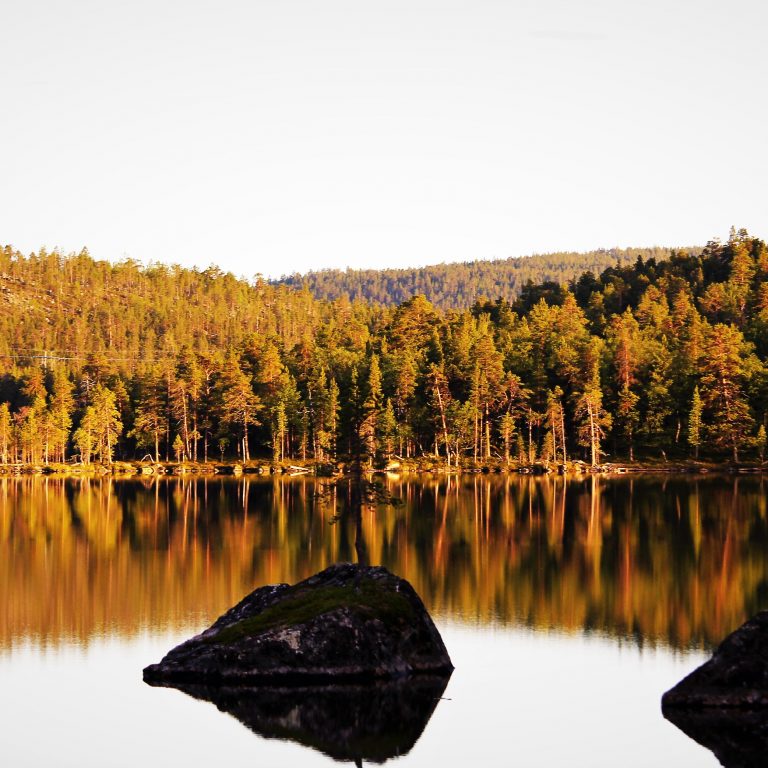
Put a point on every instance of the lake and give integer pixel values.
(568, 607)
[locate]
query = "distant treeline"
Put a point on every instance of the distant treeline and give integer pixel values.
(658, 357)
(459, 286)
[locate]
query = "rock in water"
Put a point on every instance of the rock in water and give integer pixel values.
(735, 677)
(723, 704)
(346, 623)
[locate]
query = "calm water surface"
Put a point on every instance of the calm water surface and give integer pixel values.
(568, 608)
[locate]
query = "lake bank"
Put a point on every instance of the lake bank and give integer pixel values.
(423, 465)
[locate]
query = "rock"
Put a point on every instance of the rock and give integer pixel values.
(356, 722)
(723, 705)
(735, 677)
(228, 469)
(346, 623)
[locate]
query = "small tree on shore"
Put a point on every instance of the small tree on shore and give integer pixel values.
(178, 448)
(694, 423)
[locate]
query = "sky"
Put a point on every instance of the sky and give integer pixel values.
(278, 136)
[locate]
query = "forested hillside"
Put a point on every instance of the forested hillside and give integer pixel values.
(103, 361)
(459, 286)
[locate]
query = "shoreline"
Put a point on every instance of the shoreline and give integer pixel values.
(409, 467)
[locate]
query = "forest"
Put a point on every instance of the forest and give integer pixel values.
(458, 286)
(652, 359)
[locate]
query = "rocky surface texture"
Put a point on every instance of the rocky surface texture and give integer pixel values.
(735, 677)
(372, 722)
(723, 704)
(347, 623)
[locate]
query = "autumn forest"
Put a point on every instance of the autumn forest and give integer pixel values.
(662, 356)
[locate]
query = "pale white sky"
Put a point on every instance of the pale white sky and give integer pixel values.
(273, 136)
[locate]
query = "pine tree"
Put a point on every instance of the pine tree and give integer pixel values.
(238, 405)
(354, 419)
(61, 407)
(387, 429)
(724, 373)
(331, 416)
(507, 431)
(317, 398)
(83, 437)
(279, 427)
(548, 448)
(625, 339)
(694, 423)
(178, 448)
(151, 418)
(658, 395)
(486, 386)
(106, 423)
(555, 415)
(594, 420)
(760, 442)
(522, 455)
(371, 410)
(6, 425)
(440, 400)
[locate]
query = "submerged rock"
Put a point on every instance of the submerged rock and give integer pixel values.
(346, 623)
(723, 704)
(373, 722)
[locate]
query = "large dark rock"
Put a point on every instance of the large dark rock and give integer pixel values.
(723, 705)
(735, 677)
(347, 623)
(365, 721)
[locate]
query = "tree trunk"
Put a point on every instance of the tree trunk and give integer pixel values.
(445, 427)
(487, 435)
(562, 433)
(592, 434)
(530, 438)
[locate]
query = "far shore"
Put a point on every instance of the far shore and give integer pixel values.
(424, 465)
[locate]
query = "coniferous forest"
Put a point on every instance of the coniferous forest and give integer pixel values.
(458, 286)
(661, 357)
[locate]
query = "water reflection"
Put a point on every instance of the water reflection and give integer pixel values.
(737, 738)
(677, 560)
(372, 722)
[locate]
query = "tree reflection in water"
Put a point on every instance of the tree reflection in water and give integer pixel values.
(675, 560)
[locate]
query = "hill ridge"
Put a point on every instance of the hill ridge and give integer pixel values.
(458, 285)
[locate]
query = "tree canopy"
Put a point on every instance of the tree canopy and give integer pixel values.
(665, 355)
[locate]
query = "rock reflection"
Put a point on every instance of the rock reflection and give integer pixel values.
(356, 723)
(737, 738)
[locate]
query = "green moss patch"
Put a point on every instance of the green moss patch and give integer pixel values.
(367, 599)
